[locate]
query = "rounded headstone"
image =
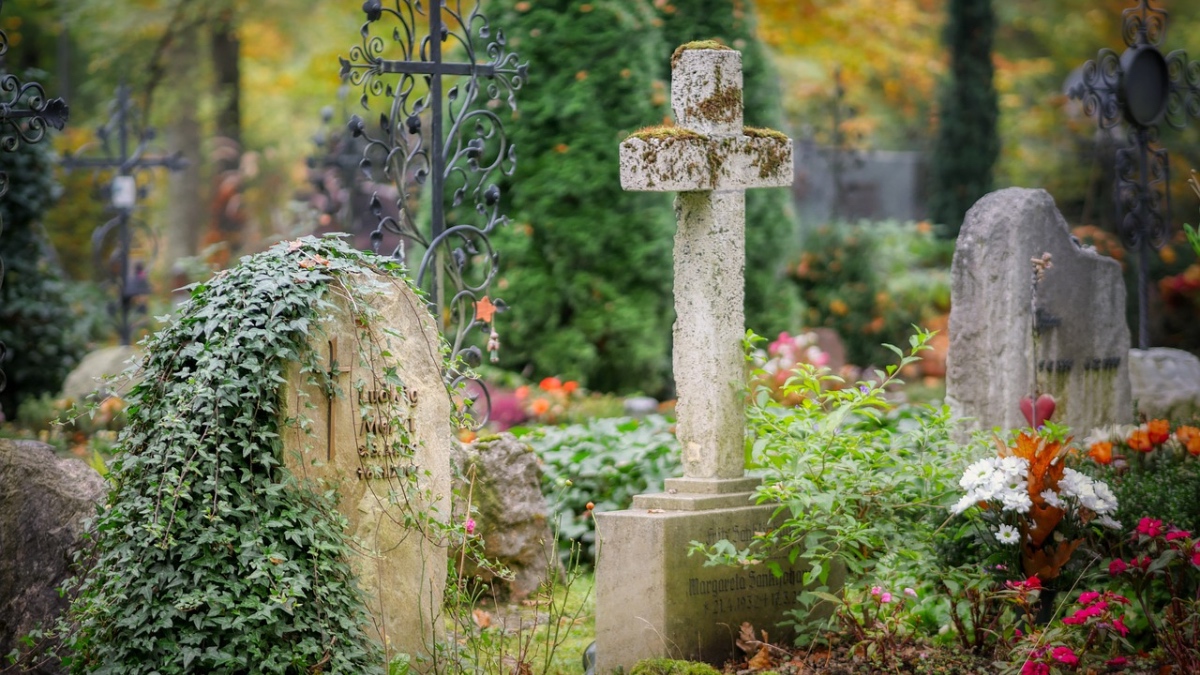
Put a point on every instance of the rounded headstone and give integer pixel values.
(89, 376)
(1165, 383)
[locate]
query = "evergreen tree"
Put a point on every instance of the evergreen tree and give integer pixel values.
(771, 301)
(967, 143)
(35, 318)
(586, 266)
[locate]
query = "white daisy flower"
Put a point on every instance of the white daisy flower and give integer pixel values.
(1007, 534)
(1051, 498)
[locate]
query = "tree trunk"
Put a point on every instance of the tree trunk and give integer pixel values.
(186, 218)
(228, 213)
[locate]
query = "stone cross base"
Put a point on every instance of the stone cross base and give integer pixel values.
(653, 600)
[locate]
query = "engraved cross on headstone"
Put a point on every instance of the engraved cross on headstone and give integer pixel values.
(338, 365)
(710, 160)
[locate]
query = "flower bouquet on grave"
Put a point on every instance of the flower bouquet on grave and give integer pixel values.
(1032, 511)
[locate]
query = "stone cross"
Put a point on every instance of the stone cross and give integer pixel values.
(710, 160)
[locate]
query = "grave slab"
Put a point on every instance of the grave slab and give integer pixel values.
(1072, 343)
(382, 441)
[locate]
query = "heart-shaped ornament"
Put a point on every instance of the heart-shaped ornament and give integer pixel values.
(1038, 412)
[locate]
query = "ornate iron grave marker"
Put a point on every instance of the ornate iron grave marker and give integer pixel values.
(116, 236)
(25, 114)
(1141, 88)
(457, 153)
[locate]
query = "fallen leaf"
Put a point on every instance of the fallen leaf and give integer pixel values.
(482, 618)
(761, 660)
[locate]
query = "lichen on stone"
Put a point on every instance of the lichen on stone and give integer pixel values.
(756, 132)
(696, 44)
(725, 104)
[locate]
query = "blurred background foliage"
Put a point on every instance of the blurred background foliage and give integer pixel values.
(239, 87)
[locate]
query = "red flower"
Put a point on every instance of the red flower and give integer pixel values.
(1119, 661)
(570, 386)
(1178, 534)
(1149, 527)
(1101, 452)
(1065, 656)
(1118, 625)
(551, 384)
(1088, 597)
(1035, 668)
(1117, 566)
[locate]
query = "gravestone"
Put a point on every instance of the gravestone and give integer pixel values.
(382, 441)
(652, 598)
(1072, 343)
(1165, 383)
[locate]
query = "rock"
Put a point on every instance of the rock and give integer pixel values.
(511, 515)
(89, 375)
(1165, 383)
(44, 501)
(1080, 356)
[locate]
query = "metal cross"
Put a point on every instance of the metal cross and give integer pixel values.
(25, 113)
(467, 146)
(130, 280)
(1141, 88)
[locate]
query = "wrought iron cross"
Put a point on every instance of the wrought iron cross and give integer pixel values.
(130, 280)
(25, 114)
(466, 147)
(1141, 88)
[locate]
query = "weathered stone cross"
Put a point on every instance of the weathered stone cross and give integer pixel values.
(710, 160)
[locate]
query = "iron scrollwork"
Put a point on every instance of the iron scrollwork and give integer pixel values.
(1141, 88)
(444, 137)
(25, 115)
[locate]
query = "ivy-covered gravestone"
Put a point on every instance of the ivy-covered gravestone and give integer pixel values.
(281, 487)
(379, 434)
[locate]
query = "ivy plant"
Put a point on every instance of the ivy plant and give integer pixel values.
(210, 556)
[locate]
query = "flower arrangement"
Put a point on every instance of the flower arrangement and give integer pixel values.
(1034, 507)
(1135, 459)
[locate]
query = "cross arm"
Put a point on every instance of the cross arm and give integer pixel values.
(671, 159)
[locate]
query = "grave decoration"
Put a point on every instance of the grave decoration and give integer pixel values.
(652, 598)
(1034, 315)
(282, 497)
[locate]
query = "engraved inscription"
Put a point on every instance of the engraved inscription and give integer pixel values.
(386, 432)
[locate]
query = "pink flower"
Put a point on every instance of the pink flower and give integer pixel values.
(1119, 661)
(1149, 527)
(885, 598)
(1196, 559)
(1088, 597)
(470, 525)
(1178, 534)
(1117, 566)
(1118, 625)
(1035, 668)
(1065, 656)
(910, 592)
(876, 590)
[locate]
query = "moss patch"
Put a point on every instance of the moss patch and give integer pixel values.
(664, 131)
(725, 104)
(696, 44)
(771, 155)
(755, 132)
(671, 667)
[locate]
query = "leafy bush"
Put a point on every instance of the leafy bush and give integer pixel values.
(1154, 470)
(871, 282)
(855, 481)
(36, 323)
(603, 462)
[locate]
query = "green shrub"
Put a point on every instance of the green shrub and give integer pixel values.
(671, 667)
(36, 323)
(855, 481)
(871, 282)
(586, 265)
(604, 462)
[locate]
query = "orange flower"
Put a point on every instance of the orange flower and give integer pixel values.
(540, 406)
(839, 307)
(1190, 438)
(550, 384)
(570, 386)
(522, 392)
(1101, 452)
(466, 435)
(1140, 440)
(1159, 431)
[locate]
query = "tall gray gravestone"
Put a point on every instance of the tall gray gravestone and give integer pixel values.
(382, 441)
(652, 599)
(1069, 339)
